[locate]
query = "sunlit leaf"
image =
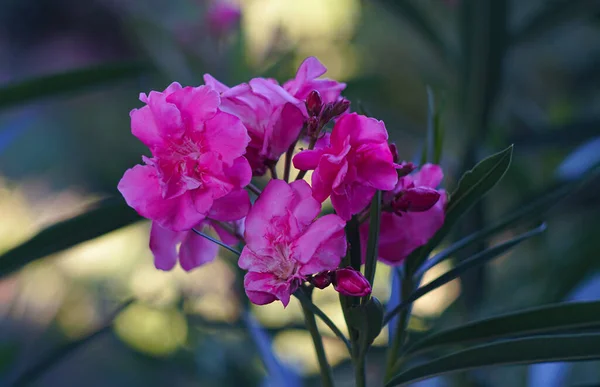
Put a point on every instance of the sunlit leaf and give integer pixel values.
(107, 216)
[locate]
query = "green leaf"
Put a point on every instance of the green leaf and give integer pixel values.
(109, 215)
(522, 213)
(353, 236)
(66, 82)
(474, 261)
(473, 185)
(529, 350)
(419, 22)
(373, 241)
(552, 15)
(545, 319)
(8, 354)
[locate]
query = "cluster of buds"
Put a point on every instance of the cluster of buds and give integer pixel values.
(320, 114)
(346, 281)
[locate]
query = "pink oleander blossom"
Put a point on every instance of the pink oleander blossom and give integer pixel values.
(285, 244)
(222, 17)
(350, 282)
(197, 168)
(194, 250)
(402, 233)
(356, 162)
(306, 80)
(273, 117)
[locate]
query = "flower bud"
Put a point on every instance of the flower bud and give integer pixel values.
(350, 282)
(314, 103)
(417, 199)
(340, 107)
(394, 151)
(222, 17)
(312, 126)
(406, 168)
(321, 280)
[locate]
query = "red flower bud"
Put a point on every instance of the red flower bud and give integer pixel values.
(417, 199)
(406, 168)
(394, 151)
(350, 282)
(314, 103)
(321, 280)
(340, 107)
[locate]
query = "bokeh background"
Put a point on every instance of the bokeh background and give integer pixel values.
(498, 71)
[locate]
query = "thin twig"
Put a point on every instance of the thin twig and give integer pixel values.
(254, 189)
(288, 162)
(217, 242)
(273, 171)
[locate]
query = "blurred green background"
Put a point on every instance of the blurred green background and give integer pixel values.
(500, 71)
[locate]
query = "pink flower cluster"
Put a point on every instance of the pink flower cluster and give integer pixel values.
(207, 142)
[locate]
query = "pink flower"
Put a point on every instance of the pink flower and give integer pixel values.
(197, 169)
(285, 243)
(222, 17)
(350, 282)
(194, 250)
(357, 162)
(306, 81)
(273, 117)
(401, 234)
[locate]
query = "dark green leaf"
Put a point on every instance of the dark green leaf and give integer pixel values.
(373, 241)
(367, 319)
(8, 354)
(66, 82)
(474, 261)
(528, 322)
(530, 350)
(109, 215)
(522, 213)
(552, 15)
(473, 185)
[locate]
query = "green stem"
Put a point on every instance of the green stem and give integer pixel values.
(359, 372)
(311, 325)
(288, 162)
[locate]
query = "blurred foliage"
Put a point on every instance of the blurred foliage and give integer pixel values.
(507, 71)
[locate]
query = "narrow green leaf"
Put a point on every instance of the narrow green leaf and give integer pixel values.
(353, 236)
(66, 82)
(308, 304)
(473, 185)
(419, 22)
(8, 355)
(545, 319)
(373, 241)
(522, 213)
(554, 13)
(109, 215)
(474, 261)
(438, 136)
(530, 350)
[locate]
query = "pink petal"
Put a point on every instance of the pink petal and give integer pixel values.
(376, 167)
(141, 190)
(323, 178)
(240, 173)
(195, 251)
(210, 81)
(273, 92)
(196, 104)
(264, 288)
(430, 175)
(307, 159)
(353, 200)
(166, 115)
(285, 131)
(304, 207)
(359, 129)
(274, 201)
(322, 245)
(226, 135)
(232, 206)
(310, 68)
(163, 244)
(224, 235)
(145, 128)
